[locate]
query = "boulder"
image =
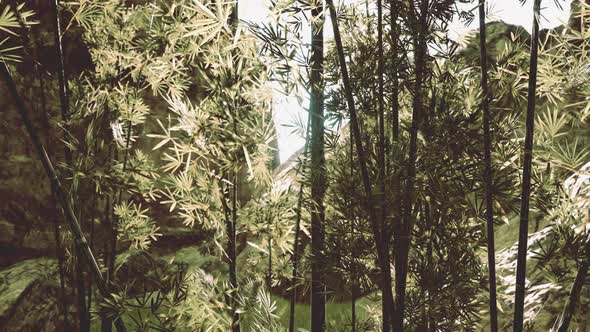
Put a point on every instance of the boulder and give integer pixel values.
(29, 297)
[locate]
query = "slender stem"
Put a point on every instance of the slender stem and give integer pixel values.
(63, 84)
(381, 157)
(64, 109)
(81, 297)
(295, 258)
(394, 12)
(397, 195)
(233, 279)
(229, 225)
(382, 255)
(404, 238)
(526, 175)
(82, 248)
(60, 262)
(565, 318)
(488, 168)
(92, 247)
(353, 287)
(57, 232)
(106, 324)
(317, 171)
(269, 274)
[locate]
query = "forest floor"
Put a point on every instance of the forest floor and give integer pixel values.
(338, 314)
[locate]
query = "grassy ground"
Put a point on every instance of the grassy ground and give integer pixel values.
(506, 235)
(338, 315)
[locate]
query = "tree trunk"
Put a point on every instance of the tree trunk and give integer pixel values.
(526, 175)
(382, 255)
(317, 171)
(487, 174)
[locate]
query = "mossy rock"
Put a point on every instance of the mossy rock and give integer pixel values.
(29, 295)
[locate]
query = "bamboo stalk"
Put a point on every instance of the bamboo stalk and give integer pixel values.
(382, 255)
(563, 322)
(84, 322)
(381, 156)
(317, 170)
(269, 271)
(46, 128)
(82, 248)
(487, 175)
(353, 288)
(396, 172)
(233, 276)
(106, 323)
(394, 13)
(404, 238)
(295, 257)
(526, 175)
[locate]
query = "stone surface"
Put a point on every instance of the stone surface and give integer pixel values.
(37, 310)
(7, 232)
(28, 297)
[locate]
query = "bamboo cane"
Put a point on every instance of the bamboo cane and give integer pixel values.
(82, 247)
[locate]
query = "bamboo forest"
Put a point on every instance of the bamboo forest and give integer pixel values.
(294, 165)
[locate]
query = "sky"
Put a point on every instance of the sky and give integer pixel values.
(286, 109)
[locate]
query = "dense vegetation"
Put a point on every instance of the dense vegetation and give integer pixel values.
(444, 185)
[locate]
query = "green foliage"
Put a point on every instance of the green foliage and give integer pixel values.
(175, 113)
(135, 225)
(11, 19)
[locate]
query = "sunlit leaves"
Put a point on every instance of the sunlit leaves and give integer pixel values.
(191, 119)
(6, 54)
(167, 76)
(549, 80)
(114, 306)
(10, 20)
(204, 308)
(551, 122)
(269, 220)
(570, 154)
(135, 225)
(85, 12)
(207, 24)
(258, 308)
